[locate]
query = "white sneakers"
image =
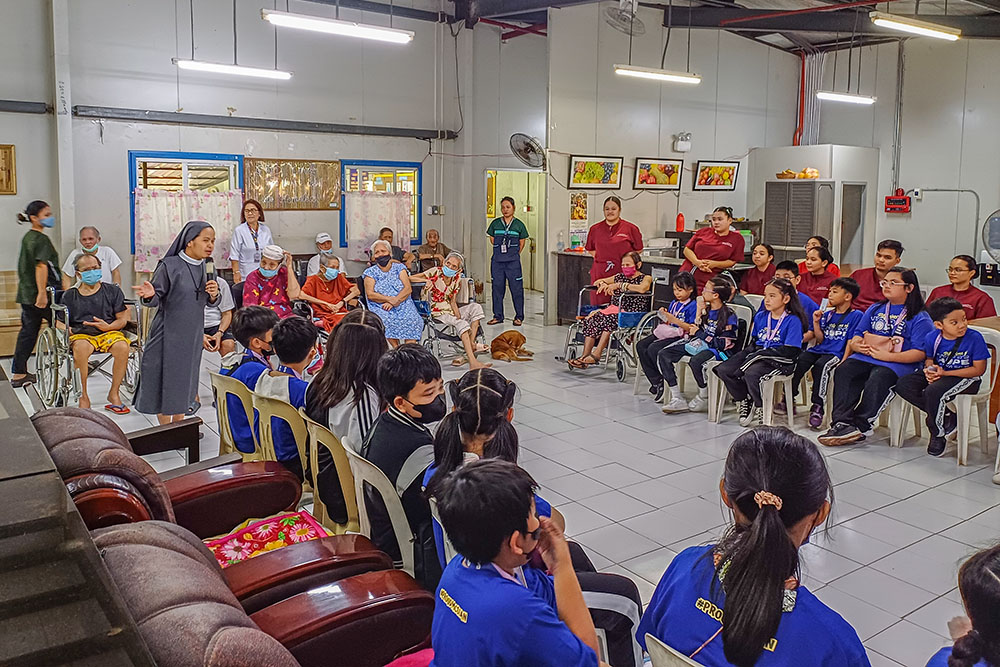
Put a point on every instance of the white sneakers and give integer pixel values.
(676, 404)
(698, 404)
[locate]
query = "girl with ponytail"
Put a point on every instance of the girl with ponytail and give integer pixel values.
(977, 638)
(739, 602)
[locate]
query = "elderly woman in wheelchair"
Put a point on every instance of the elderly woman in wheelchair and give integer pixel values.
(443, 284)
(96, 313)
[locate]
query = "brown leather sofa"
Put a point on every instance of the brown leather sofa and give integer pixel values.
(331, 601)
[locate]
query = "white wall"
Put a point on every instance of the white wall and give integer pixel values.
(747, 98)
(25, 47)
(949, 140)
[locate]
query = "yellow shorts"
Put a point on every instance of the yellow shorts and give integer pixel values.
(102, 342)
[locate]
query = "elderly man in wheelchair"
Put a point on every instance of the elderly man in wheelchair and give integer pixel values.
(96, 314)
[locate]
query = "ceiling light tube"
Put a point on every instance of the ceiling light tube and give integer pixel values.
(914, 26)
(239, 70)
(657, 74)
(336, 27)
(832, 96)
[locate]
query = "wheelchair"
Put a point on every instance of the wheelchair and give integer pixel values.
(621, 349)
(59, 382)
(443, 340)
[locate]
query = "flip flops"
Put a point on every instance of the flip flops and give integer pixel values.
(117, 409)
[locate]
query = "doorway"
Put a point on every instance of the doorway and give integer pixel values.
(528, 190)
(852, 223)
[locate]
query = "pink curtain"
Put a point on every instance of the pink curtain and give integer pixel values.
(161, 214)
(367, 212)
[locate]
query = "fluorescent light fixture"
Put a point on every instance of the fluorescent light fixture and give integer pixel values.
(337, 27)
(914, 26)
(239, 70)
(657, 74)
(832, 96)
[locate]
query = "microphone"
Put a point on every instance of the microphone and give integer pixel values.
(210, 268)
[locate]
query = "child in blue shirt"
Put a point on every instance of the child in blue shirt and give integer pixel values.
(489, 609)
(977, 637)
(887, 344)
(778, 487)
(682, 310)
(776, 344)
(252, 328)
(831, 330)
(706, 340)
(789, 270)
(956, 360)
(294, 343)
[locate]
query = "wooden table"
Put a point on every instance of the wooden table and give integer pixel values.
(991, 323)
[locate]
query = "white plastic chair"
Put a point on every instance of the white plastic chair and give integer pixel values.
(321, 436)
(366, 471)
(449, 550)
(664, 656)
(755, 300)
(767, 387)
(717, 390)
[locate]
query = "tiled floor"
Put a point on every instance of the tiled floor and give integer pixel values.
(637, 486)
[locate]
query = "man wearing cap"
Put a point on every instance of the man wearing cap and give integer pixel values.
(324, 248)
(272, 284)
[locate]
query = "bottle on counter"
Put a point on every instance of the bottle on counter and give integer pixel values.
(561, 245)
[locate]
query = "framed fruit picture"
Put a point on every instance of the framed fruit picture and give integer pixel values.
(652, 173)
(595, 173)
(715, 175)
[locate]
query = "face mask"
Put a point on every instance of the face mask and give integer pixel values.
(49, 221)
(449, 272)
(629, 271)
(268, 273)
(328, 253)
(384, 260)
(431, 412)
(268, 352)
(331, 274)
(93, 250)
(91, 276)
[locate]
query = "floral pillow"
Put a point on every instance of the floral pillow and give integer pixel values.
(255, 537)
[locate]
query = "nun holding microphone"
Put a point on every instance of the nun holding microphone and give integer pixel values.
(182, 285)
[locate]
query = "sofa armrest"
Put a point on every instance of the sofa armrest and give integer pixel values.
(365, 620)
(211, 502)
(271, 577)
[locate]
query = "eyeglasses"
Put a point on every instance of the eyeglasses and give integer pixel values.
(952, 269)
(891, 283)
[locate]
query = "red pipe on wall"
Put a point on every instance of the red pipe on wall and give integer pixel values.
(809, 10)
(536, 29)
(797, 137)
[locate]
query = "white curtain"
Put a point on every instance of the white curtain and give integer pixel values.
(160, 215)
(367, 212)
(814, 83)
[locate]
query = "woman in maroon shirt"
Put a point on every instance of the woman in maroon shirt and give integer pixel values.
(608, 242)
(713, 249)
(754, 279)
(961, 272)
(815, 282)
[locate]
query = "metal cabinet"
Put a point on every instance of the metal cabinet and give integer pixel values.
(794, 210)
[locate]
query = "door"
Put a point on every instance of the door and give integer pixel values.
(852, 223)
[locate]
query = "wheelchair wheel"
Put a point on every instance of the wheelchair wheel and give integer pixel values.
(131, 380)
(621, 370)
(48, 359)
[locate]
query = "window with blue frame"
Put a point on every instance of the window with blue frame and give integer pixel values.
(384, 176)
(174, 170)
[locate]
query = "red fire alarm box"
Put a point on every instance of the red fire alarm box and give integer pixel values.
(897, 203)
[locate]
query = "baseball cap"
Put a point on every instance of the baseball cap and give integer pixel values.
(323, 237)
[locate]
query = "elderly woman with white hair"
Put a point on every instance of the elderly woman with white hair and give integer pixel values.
(330, 292)
(388, 289)
(443, 284)
(273, 284)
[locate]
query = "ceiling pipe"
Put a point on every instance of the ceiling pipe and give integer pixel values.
(809, 10)
(520, 30)
(525, 31)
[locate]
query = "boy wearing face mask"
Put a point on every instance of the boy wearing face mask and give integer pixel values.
(97, 314)
(252, 327)
(330, 292)
(401, 445)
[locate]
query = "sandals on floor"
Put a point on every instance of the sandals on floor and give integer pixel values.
(117, 409)
(581, 362)
(517, 323)
(494, 321)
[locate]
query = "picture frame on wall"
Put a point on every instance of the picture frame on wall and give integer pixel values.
(715, 175)
(588, 172)
(655, 173)
(8, 170)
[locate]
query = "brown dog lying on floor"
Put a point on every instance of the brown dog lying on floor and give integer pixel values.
(509, 346)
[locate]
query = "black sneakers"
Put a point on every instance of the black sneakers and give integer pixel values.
(936, 446)
(744, 409)
(841, 434)
(950, 424)
(657, 392)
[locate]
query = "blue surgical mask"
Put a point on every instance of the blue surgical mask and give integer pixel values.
(331, 273)
(91, 276)
(328, 253)
(268, 273)
(93, 250)
(449, 272)
(49, 221)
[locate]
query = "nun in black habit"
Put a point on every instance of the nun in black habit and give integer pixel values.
(171, 356)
